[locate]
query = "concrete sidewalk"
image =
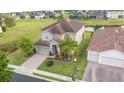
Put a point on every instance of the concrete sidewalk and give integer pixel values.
(27, 71)
(34, 61)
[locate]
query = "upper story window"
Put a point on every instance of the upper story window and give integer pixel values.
(46, 37)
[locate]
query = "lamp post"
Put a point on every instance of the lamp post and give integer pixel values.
(74, 74)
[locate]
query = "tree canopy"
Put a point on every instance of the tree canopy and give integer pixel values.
(5, 73)
(9, 22)
(68, 47)
(26, 45)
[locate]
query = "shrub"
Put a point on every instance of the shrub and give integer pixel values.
(49, 63)
(4, 28)
(9, 22)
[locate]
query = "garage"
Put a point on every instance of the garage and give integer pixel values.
(113, 58)
(43, 50)
(112, 62)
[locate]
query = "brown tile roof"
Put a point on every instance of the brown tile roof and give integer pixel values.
(42, 43)
(56, 39)
(107, 39)
(65, 25)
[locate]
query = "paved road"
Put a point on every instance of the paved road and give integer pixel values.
(24, 78)
(34, 61)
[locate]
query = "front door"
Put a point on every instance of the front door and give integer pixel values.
(54, 48)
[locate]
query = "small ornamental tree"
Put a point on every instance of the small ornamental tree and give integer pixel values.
(26, 46)
(68, 48)
(9, 22)
(5, 73)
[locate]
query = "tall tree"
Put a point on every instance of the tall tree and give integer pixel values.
(5, 73)
(68, 47)
(26, 45)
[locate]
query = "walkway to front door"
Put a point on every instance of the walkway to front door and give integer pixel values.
(34, 61)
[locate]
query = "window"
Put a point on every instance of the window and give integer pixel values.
(46, 37)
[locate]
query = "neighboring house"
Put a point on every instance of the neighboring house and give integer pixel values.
(21, 15)
(56, 32)
(50, 14)
(97, 14)
(115, 14)
(80, 14)
(107, 47)
(38, 15)
(77, 15)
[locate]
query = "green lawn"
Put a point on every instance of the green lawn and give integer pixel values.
(26, 28)
(16, 58)
(66, 68)
(103, 22)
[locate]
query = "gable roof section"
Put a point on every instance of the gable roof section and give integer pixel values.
(107, 39)
(42, 43)
(65, 25)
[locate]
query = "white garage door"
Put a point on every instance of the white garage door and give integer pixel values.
(43, 50)
(112, 61)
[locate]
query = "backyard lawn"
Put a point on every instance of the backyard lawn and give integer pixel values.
(66, 68)
(25, 28)
(103, 22)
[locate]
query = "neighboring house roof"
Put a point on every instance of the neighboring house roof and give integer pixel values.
(42, 43)
(107, 39)
(65, 25)
(50, 13)
(38, 13)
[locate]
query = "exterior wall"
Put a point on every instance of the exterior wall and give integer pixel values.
(110, 57)
(27, 17)
(92, 56)
(114, 14)
(46, 36)
(79, 35)
(112, 62)
(73, 35)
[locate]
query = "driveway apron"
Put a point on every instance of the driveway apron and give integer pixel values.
(34, 61)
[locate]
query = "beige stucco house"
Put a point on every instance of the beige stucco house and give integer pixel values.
(107, 47)
(115, 14)
(51, 35)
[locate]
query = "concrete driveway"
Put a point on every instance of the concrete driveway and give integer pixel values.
(34, 61)
(103, 73)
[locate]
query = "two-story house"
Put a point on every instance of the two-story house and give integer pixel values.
(52, 34)
(115, 14)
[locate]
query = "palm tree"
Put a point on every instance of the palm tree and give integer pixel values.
(68, 48)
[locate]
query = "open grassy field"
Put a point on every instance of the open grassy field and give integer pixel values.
(66, 68)
(103, 22)
(25, 28)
